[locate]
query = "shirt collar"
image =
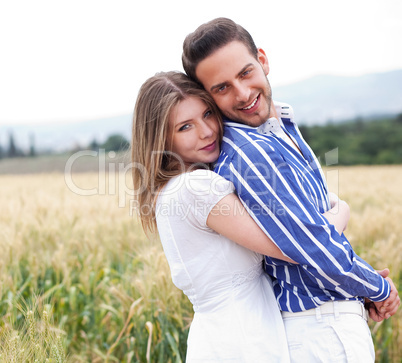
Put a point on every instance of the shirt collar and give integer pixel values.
(271, 125)
(284, 111)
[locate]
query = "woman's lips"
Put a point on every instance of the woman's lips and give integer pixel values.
(210, 147)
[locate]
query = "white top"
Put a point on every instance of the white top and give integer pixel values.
(236, 316)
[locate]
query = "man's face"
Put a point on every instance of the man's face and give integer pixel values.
(238, 83)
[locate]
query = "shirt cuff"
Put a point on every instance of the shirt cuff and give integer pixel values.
(384, 293)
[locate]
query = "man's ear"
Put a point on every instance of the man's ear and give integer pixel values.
(263, 59)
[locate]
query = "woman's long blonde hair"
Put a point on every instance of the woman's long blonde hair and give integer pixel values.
(152, 166)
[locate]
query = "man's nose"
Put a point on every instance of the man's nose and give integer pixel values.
(242, 92)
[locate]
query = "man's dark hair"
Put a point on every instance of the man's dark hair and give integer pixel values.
(208, 38)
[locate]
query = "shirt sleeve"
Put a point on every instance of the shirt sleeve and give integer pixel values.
(272, 194)
(200, 191)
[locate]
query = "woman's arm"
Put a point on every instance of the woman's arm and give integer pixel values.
(339, 213)
(230, 219)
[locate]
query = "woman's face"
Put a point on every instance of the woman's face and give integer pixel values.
(193, 132)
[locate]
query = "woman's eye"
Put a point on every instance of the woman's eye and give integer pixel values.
(184, 127)
(245, 73)
(207, 113)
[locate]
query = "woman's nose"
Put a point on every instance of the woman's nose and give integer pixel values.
(205, 130)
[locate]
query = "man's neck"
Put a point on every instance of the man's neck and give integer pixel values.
(272, 111)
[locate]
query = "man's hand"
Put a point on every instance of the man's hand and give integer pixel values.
(378, 311)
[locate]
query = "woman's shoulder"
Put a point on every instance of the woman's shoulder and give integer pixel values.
(205, 181)
(204, 176)
(199, 182)
(192, 196)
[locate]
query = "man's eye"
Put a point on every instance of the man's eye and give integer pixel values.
(222, 88)
(245, 73)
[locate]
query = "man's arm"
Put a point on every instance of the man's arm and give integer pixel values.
(272, 193)
(339, 215)
(379, 311)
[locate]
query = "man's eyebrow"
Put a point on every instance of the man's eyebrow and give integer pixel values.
(217, 86)
(238, 75)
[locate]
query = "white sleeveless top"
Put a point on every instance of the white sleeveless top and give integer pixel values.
(236, 315)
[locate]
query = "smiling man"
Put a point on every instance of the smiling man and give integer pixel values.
(239, 86)
(281, 183)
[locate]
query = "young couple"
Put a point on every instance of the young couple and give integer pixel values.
(234, 197)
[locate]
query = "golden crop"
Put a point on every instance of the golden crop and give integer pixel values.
(74, 249)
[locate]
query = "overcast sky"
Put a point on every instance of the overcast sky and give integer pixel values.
(65, 61)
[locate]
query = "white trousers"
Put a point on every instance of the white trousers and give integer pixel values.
(329, 337)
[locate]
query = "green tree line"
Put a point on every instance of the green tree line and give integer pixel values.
(364, 142)
(373, 142)
(114, 142)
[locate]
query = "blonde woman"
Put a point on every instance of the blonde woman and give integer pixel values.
(213, 247)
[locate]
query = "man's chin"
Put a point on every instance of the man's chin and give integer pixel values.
(255, 123)
(254, 120)
(250, 120)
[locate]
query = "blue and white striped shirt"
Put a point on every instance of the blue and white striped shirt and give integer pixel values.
(286, 193)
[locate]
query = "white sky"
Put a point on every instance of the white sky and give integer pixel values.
(64, 61)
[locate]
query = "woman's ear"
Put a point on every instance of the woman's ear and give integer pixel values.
(263, 59)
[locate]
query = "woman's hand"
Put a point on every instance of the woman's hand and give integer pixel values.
(339, 213)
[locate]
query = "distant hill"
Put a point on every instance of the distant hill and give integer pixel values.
(324, 98)
(65, 136)
(316, 100)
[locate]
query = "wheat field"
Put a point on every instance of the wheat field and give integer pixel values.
(80, 282)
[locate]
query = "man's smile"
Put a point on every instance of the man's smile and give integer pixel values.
(252, 106)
